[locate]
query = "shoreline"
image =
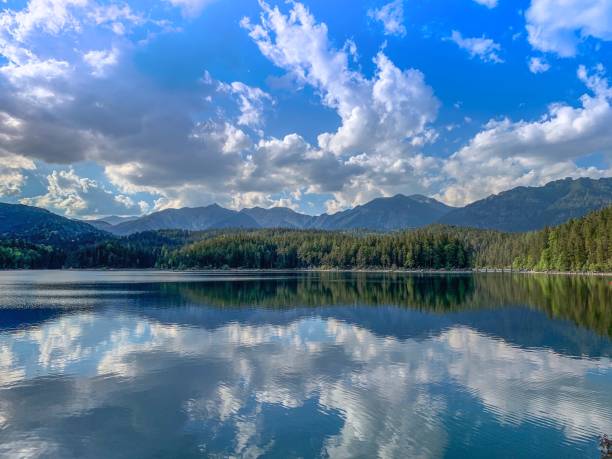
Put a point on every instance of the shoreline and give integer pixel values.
(332, 270)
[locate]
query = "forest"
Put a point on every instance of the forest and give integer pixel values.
(580, 245)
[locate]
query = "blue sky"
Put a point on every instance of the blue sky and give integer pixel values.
(128, 107)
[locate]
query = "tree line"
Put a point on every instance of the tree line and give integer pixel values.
(583, 244)
(429, 248)
(579, 245)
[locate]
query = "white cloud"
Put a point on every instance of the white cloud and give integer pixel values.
(25, 33)
(35, 81)
(12, 165)
(50, 16)
(290, 164)
(257, 199)
(191, 8)
(384, 119)
(559, 27)
(117, 17)
(251, 101)
(62, 111)
(11, 182)
(377, 114)
(204, 170)
(75, 196)
(101, 61)
(34, 69)
(483, 48)
(69, 98)
(508, 154)
(12, 178)
(392, 17)
(55, 17)
(487, 3)
(538, 65)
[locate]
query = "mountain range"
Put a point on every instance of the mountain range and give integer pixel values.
(41, 226)
(382, 214)
(533, 208)
(519, 209)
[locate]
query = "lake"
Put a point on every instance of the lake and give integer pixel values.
(153, 364)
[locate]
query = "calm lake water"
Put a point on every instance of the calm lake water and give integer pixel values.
(152, 364)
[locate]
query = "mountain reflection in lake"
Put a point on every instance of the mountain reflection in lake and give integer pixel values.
(143, 364)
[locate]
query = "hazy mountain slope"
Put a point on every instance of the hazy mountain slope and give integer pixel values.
(100, 224)
(41, 226)
(383, 214)
(113, 220)
(193, 219)
(278, 217)
(520, 209)
(107, 223)
(386, 214)
(531, 208)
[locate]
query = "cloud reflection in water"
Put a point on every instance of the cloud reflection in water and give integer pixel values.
(232, 390)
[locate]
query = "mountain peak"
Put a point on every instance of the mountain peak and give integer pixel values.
(519, 209)
(41, 226)
(531, 208)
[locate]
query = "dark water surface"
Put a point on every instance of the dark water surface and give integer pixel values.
(150, 364)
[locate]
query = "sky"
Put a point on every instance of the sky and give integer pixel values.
(125, 108)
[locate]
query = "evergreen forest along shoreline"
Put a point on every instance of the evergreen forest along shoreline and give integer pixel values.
(580, 246)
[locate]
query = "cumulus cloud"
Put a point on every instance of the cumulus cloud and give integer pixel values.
(32, 79)
(56, 16)
(11, 181)
(559, 27)
(66, 109)
(391, 16)
(538, 65)
(487, 3)
(146, 139)
(377, 113)
(384, 119)
(252, 102)
(66, 98)
(191, 8)
(203, 145)
(75, 196)
(483, 48)
(291, 163)
(119, 18)
(508, 153)
(258, 199)
(101, 61)
(12, 165)
(51, 16)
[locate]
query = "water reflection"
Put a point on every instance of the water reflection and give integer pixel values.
(319, 368)
(585, 300)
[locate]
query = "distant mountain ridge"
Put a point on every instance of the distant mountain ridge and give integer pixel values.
(519, 209)
(187, 218)
(106, 223)
(532, 208)
(381, 214)
(41, 226)
(278, 217)
(386, 214)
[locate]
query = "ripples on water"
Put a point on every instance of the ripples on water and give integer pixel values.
(144, 364)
